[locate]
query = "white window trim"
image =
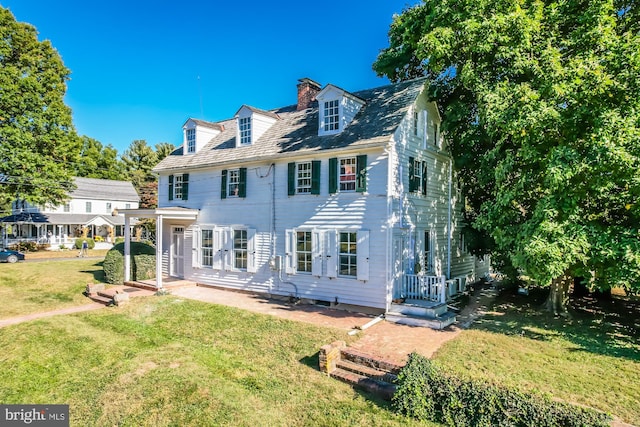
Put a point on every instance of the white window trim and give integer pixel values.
(291, 255)
(230, 173)
(177, 186)
(244, 130)
(354, 163)
(309, 176)
(190, 135)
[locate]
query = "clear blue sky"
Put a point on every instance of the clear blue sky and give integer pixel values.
(140, 68)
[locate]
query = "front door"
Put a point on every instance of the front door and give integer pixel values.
(177, 252)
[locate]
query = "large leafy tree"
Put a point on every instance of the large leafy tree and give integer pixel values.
(99, 161)
(37, 138)
(138, 161)
(541, 104)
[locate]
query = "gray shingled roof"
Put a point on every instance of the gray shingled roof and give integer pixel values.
(297, 131)
(92, 188)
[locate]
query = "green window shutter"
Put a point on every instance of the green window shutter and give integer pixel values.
(291, 179)
(333, 175)
(361, 173)
(170, 187)
(242, 184)
(412, 176)
(185, 186)
(315, 177)
(223, 186)
(424, 178)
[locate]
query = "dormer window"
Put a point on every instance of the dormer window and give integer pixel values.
(191, 140)
(251, 124)
(331, 116)
(245, 130)
(337, 108)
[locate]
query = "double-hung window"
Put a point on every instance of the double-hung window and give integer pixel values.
(245, 130)
(108, 207)
(347, 177)
(417, 176)
(88, 207)
(67, 207)
(191, 140)
(233, 183)
(240, 249)
(331, 115)
(303, 177)
(179, 186)
(303, 251)
(206, 246)
(348, 254)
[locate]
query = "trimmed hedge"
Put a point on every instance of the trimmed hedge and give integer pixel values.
(78, 242)
(143, 263)
(426, 392)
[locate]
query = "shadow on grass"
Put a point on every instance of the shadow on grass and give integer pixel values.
(608, 328)
(98, 272)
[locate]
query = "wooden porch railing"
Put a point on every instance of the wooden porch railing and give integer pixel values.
(430, 288)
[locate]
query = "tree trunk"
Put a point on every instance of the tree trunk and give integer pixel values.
(559, 296)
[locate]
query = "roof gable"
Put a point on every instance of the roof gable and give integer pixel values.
(296, 133)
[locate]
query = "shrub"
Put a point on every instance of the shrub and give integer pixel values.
(24, 246)
(119, 240)
(143, 263)
(78, 243)
(426, 392)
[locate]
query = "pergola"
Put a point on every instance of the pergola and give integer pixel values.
(160, 215)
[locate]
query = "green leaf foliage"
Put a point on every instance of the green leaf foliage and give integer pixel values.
(37, 138)
(541, 107)
(143, 263)
(429, 393)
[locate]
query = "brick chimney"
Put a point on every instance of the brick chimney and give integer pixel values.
(307, 91)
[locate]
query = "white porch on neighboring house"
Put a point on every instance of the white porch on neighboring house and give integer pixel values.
(182, 217)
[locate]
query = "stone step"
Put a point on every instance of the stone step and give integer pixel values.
(439, 322)
(420, 308)
(100, 299)
(367, 360)
(373, 373)
(379, 388)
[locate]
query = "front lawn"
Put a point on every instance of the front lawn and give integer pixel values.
(33, 287)
(166, 361)
(593, 359)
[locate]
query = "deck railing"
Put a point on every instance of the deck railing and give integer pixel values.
(429, 288)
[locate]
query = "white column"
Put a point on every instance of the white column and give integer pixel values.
(127, 249)
(159, 252)
(443, 289)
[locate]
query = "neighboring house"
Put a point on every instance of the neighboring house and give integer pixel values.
(348, 198)
(92, 205)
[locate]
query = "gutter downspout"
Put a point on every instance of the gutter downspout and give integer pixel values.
(449, 223)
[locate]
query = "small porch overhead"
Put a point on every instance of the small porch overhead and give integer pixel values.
(159, 214)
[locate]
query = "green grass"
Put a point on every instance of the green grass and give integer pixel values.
(592, 359)
(35, 287)
(164, 361)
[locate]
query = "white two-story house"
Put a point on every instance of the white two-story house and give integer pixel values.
(91, 206)
(344, 197)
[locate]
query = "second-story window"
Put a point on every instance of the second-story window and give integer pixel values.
(67, 207)
(347, 177)
(88, 207)
(415, 122)
(191, 140)
(177, 187)
(245, 130)
(331, 115)
(303, 180)
(233, 183)
(108, 207)
(418, 176)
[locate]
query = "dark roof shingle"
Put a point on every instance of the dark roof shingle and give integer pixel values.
(297, 131)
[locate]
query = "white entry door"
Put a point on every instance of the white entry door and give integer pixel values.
(177, 252)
